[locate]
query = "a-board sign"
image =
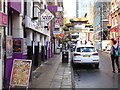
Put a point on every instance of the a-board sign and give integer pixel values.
(20, 72)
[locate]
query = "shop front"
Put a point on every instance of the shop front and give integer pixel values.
(114, 33)
(14, 10)
(3, 25)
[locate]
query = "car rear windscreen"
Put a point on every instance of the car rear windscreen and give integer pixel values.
(85, 49)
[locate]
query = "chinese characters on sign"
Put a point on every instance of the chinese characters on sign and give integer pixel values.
(20, 72)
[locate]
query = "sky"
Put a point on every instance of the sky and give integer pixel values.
(69, 8)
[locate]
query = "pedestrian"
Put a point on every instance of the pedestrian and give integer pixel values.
(114, 51)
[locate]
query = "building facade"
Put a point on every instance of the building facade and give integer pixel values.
(25, 35)
(101, 32)
(3, 28)
(82, 7)
(114, 19)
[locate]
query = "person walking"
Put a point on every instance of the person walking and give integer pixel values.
(114, 51)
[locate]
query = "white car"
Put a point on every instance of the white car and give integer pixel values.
(86, 54)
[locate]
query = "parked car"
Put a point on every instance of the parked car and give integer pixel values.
(85, 54)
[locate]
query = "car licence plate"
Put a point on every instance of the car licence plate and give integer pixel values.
(86, 55)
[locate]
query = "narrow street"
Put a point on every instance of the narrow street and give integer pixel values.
(88, 77)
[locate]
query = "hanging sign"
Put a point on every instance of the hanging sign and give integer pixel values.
(46, 16)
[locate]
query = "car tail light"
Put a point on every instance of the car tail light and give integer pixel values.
(95, 60)
(95, 54)
(76, 54)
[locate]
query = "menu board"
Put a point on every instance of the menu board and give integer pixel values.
(9, 46)
(17, 45)
(20, 72)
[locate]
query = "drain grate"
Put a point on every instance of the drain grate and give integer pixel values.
(36, 74)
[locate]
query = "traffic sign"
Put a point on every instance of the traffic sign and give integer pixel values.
(46, 16)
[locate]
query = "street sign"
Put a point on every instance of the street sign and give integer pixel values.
(46, 16)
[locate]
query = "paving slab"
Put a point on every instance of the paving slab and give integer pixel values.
(52, 74)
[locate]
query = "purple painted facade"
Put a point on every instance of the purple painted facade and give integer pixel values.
(19, 56)
(16, 55)
(9, 63)
(52, 8)
(15, 5)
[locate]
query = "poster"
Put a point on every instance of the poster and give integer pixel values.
(17, 45)
(9, 46)
(25, 46)
(20, 72)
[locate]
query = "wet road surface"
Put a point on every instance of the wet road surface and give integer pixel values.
(85, 76)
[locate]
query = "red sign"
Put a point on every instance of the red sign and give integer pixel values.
(3, 19)
(110, 19)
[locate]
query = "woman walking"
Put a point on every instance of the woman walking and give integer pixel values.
(115, 55)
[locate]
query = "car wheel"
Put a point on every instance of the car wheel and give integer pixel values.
(97, 66)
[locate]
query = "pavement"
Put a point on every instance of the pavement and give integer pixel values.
(52, 74)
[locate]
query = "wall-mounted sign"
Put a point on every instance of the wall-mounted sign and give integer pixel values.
(58, 20)
(53, 8)
(17, 45)
(3, 19)
(9, 46)
(56, 31)
(20, 72)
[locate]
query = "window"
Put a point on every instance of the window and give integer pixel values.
(86, 49)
